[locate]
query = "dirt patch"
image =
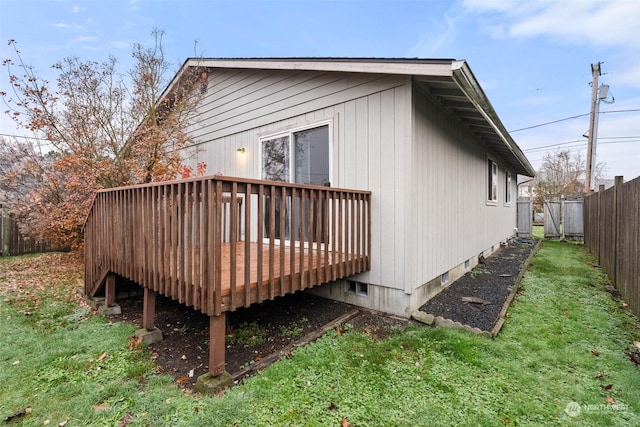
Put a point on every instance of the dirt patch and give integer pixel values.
(477, 298)
(252, 333)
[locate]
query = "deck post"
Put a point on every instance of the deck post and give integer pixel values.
(149, 309)
(217, 325)
(217, 378)
(110, 290)
(110, 308)
(149, 333)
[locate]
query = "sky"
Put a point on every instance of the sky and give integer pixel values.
(532, 58)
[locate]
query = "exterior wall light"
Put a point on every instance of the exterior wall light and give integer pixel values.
(241, 150)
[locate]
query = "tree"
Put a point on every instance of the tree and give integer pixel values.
(561, 174)
(95, 128)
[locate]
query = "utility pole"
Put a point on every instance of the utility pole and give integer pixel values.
(593, 129)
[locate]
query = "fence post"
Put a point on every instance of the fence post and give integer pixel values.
(618, 209)
(600, 237)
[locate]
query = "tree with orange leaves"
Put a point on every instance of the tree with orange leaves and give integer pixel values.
(92, 129)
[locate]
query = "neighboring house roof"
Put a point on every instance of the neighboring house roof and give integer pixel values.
(449, 81)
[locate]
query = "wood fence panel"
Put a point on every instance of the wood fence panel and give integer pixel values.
(13, 242)
(612, 235)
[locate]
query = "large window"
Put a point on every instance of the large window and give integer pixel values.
(300, 156)
(309, 155)
(492, 181)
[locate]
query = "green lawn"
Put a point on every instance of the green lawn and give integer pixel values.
(562, 347)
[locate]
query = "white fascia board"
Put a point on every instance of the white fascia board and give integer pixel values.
(466, 81)
(406, 67)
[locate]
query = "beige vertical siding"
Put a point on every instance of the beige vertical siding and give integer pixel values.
(452, 218)
(426, 173)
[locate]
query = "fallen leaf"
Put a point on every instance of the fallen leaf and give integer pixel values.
(102, 356)
(180, 380)
(135, 343)
(17, 362)
(191, 373)
(607, 387)
(332, 407)
(565, 313)
(595, 352)
(600, 375)
(257, 358)
(624, 306)
(183, 357)
(126, 420)
(610, 400)
(100, 407)
(344, 422)
(46, 422)
(637, 344)
(63, 423)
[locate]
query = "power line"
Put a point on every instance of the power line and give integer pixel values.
(579, 142)
(573, 117)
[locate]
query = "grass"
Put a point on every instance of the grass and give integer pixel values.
(564, 342)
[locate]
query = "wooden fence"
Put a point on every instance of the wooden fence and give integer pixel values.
(612, 234)
(12, 242)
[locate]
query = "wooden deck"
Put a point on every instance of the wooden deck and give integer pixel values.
(219, 243)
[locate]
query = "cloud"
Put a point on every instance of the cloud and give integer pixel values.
(596, 22)
(61, 25)
(83, 39)
(436, 39)
(119, 44)
(76, 9)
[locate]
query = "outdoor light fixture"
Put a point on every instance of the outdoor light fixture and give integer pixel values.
(241, 150)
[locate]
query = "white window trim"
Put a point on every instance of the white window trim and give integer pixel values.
(508, 181)
(491, 202)
(289, 132)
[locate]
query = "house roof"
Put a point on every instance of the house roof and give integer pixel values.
(449, 81)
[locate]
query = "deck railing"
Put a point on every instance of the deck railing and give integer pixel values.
(218, 243)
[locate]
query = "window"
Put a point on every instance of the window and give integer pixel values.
(507, 189)
(305, 161)
(301, 156)
(492, 181)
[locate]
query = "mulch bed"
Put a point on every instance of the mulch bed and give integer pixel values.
(491, 283)
(254, 333)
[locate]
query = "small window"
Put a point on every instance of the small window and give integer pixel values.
(492, 181)
(444, 279)
(507, 188)
(467, 264)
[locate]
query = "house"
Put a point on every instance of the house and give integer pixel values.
(419, 134)
(376, 182)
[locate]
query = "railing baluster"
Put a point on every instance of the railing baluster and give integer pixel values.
(283, 237)
(233, 241)
(272, 232)
(259, 241)
(303, 221)
(247, 245)
(217, 275)
(294, 281)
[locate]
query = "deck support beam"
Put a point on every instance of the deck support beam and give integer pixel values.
(217, 378)
(110, 308)
(149, 333)
(149, 309)
(110, 290)
(217, 325)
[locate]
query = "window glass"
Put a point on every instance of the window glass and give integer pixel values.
(275, 159)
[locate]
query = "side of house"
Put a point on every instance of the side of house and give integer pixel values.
(441, 195)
